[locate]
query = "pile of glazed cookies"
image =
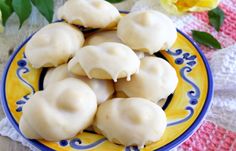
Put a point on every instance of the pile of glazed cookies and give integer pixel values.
(109, 80)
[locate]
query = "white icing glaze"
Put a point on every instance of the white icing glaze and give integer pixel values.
(59, 112)
(89, 13)
(53, 45)
(140, 54)
(101, 37)
(148, 31)
(75, 68)
(56, 74)
(107, 36)
(131, 121)
(116, 59)
(102, 88)
(156, 80)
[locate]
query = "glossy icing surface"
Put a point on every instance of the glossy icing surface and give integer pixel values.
(87, 12)
(53, 45)
(52, 114)
(144, 120)
(156, 80)
(110, 61)
(148, 31)
(102, 88)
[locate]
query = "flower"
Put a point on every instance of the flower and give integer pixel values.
(1, 27)
(180, 6)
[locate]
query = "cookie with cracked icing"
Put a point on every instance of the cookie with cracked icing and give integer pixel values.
(144, 121)
(59, 112)
(89, 13)
(108, 60)
(148, 31)
(107, 36)
(53, 45)
(156, 80)
(102, 88)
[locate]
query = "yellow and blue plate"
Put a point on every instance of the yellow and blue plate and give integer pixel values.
(185, 108)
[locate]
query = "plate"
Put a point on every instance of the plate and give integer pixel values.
(185, 108)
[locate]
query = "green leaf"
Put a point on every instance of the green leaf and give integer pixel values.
(45, 7)
(8, 2)
(23, 9)
(216, 18)
(114, 1)
(205, 39)
(6, 10)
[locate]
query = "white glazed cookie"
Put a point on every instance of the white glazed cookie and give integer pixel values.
(108, 60)
(62, 110)
(156, 80)
(131, 121)
(148, 31)
(101, 37)
(53, 45)
(107, 36)
(56, 74)
(102, 88)
(140, 54)
(89, 13)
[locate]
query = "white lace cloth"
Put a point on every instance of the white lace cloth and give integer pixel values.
(223, 66)
(223, 110)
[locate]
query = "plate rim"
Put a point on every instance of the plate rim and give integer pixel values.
(180, 139)
(208, 101)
